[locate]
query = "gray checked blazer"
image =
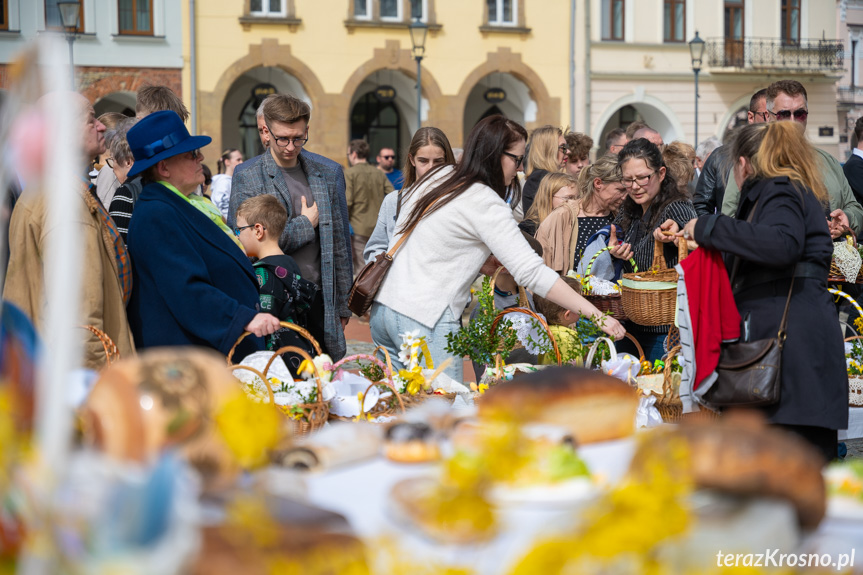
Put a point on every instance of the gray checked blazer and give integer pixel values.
(262, 176)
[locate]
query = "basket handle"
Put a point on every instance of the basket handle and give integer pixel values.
(259, 374)
(531, 313)
(391, 387)
(522, 294)
(588, 361)
(112, 354)
(302, 353)
(638, 347)
(596, 255)
(285, 324)
(659, 253)
(853, 337)
(388, 367)
(666, 380)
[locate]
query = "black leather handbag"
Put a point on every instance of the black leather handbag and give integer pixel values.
(750, 373)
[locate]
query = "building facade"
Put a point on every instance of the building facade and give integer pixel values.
(850, 89)
(120, 45)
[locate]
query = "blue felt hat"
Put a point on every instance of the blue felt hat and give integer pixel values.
(159, 136)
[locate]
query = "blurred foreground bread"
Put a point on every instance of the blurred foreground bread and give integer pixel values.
(592, 406)
(740, 454)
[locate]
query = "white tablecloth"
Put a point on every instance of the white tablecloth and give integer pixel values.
(361, 493)
(855, 424)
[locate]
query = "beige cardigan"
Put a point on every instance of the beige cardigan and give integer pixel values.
(558, 234)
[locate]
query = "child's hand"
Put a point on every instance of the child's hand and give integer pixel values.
(311, 212)
(263, 324)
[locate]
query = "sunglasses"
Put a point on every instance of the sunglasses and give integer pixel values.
(388, 157)
(799, 115)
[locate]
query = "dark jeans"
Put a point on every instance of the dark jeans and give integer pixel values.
(653, 344)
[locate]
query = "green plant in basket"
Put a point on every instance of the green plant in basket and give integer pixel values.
(854, 357)
(476, 340)
(372, 372)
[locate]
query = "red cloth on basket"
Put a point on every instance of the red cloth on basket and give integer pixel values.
(712, 310)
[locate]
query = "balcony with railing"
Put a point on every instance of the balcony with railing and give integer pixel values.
(772, 54)
(851, 95)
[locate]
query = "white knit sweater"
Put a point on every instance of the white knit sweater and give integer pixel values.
(437, 263)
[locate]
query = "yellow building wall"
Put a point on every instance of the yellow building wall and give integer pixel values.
(331, 60)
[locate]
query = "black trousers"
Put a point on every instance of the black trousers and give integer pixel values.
(823, 439)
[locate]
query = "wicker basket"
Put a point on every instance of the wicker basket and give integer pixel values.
(855, 384)
(588, 361)
(312, 416)
(498, 359)
(112, 354)
(668, 404)
(652, 306)
(611, 304)
(382, 408)
(835, 274)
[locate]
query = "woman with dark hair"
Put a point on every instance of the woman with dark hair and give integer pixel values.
(429, 149)
(457, 217)
(655, 204)
(780, 236)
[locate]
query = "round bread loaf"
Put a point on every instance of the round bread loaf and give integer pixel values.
(591, 405)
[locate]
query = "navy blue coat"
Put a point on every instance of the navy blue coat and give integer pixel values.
(192, 284)
(787, 229)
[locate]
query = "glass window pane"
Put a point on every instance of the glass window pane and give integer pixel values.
(143, 22)
(492, 10)
(126, 14)
(256, 6)
(275, 6)
(678, 22)
(389, 9)
(52, 14)
(618, 19)
(361, 8)
(507, 11)
(417, 9)
(794, 32)
(606, 18)
(667, 21)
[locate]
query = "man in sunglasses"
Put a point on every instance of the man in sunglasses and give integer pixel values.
(787, 100)
(315, 235)
(715, 177)
(387, 164)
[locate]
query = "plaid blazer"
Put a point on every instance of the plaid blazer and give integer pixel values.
(264, 177)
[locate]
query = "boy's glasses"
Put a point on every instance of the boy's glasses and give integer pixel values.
(239, 230)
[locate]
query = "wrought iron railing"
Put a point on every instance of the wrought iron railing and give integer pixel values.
(807, 55)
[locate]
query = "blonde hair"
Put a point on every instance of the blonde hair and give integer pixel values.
(606, 169)
(679, 159)
(543, 149)
(780, 149)
(548, 186)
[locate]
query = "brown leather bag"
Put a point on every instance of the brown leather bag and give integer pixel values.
(370, 278)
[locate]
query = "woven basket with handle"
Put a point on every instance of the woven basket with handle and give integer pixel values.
(384, 407)
(654, 303)
(612, 303)
(855, 384)
(306, 417)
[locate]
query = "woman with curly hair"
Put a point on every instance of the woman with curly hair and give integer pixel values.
(655, 204)
(578, 147)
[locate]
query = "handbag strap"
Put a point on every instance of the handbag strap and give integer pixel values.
(405, 235)
(784, 323)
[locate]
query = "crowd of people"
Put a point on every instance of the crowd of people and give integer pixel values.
(282, 235)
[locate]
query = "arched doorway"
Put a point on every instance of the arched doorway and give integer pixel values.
(239, 121)
(385, 118)
(122, 102)
(499, 93)
(650, 111)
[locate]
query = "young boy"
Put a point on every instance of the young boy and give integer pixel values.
(283, 292)
(559, 319)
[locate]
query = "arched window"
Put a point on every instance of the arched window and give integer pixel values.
(377, 123)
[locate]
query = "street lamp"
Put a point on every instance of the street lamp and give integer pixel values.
(696, 52)
(70, 15)
(418, 32)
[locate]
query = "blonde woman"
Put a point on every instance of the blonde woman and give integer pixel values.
(554, 190)
(566, 232)
(781, 233)
(546, 154)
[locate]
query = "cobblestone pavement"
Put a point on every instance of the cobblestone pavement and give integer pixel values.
(855, 448)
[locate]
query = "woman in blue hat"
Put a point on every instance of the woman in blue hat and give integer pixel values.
(193, 284)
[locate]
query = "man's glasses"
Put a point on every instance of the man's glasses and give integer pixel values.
(799, 115)
(518, 159)
(239, 230)
(640, 180)
(763, 115)
(283, 142)
(388, 157)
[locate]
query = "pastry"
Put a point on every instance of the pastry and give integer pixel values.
(592, 406)
(742, 455)
(410, 443)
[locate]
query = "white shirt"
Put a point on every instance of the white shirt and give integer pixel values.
(220, 193)
(435, 266)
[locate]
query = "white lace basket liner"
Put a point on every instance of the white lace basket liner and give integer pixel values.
(847, 259)
(855, 391)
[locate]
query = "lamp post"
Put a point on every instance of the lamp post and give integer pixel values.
(696, 52)
(418, 32)
(70, 15)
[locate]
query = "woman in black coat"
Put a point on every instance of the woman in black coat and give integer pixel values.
(776, 170)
